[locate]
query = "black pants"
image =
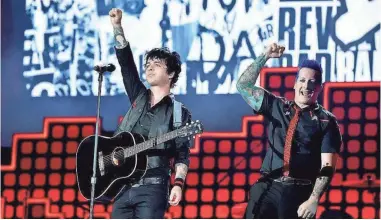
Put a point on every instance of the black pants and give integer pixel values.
(145, 201)
(270, 199)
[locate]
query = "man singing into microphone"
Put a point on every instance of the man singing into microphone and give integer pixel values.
(151, 114)
(303, 138)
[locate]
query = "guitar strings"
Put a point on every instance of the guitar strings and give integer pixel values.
(119, 155)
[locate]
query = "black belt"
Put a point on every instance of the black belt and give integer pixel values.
(151, 181)
(292, 181)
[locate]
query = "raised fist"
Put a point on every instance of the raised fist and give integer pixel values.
(115, 16)
(274, 51)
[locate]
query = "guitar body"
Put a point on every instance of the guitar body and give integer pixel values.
(120, 160)
(111, 176)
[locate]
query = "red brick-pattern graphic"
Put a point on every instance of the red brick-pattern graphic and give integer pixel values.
(40, 182)
(357, 109)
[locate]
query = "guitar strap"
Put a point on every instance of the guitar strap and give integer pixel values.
(177, 117)
(177, 113)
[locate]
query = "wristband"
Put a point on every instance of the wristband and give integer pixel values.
(179, 182)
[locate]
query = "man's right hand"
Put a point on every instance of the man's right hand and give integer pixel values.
(274, 51)
(115, 16)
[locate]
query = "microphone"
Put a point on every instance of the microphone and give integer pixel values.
(104, 68)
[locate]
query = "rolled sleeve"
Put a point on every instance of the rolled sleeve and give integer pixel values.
(332, 139)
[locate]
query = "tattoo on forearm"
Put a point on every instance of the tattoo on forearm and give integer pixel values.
(257, 94)
(251, 74)
(252, 94)
(120, 40)
(322, 182)
(321, 185)
(181, 170)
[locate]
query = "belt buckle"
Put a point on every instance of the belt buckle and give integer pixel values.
(158, 180)
(287, 180)
(284, 179)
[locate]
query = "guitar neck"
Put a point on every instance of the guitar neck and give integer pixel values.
(150, 143)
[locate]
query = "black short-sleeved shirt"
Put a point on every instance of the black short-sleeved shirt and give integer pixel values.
(317, 132)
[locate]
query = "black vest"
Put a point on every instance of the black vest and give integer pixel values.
(158, 127)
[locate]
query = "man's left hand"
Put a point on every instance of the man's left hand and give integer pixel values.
(308, 208)
(175, 196)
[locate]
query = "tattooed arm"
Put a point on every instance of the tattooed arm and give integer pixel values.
(182, 150)
(328, 168)
(252, 94)
(181, 171)
(330, 150)
(120, 39)
(116, 21)
(309, 207)
(181, 161)
(131, 79)
(177, 190)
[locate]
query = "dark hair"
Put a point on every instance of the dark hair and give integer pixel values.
(312, 64)
(172, 60)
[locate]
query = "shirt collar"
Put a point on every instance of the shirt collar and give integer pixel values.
(166, 99)
(313, 107)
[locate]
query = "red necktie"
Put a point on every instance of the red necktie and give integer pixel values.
(288, 142)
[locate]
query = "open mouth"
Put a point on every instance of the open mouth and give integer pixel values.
(306, 93)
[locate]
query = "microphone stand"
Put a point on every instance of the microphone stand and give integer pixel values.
(94, 178)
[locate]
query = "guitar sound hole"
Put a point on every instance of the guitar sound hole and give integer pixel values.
(118, 157)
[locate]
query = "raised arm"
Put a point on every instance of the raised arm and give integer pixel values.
(131, 80)
(116, 21)
(253, 94)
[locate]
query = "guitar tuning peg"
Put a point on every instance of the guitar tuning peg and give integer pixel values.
(192, 122)
(197, 121)
(187, 124)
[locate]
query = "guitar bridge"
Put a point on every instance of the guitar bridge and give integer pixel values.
(101, 163)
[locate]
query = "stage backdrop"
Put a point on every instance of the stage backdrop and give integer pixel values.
(50, 47)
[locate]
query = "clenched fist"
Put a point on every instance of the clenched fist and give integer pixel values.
(115, 16)
(274, 51)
